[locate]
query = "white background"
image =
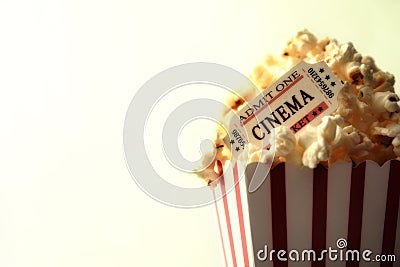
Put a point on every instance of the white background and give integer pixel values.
(68, 71)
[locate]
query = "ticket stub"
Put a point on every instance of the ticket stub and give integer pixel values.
(300, 97)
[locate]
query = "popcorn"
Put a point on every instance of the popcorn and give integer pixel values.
(316, 142)
(366, 124)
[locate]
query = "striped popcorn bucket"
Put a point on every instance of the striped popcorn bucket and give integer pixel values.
(341, 216)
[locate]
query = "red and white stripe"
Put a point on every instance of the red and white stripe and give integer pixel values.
(233, 220)
(310, 209)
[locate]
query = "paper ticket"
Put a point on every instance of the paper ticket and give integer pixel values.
(300, 97)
